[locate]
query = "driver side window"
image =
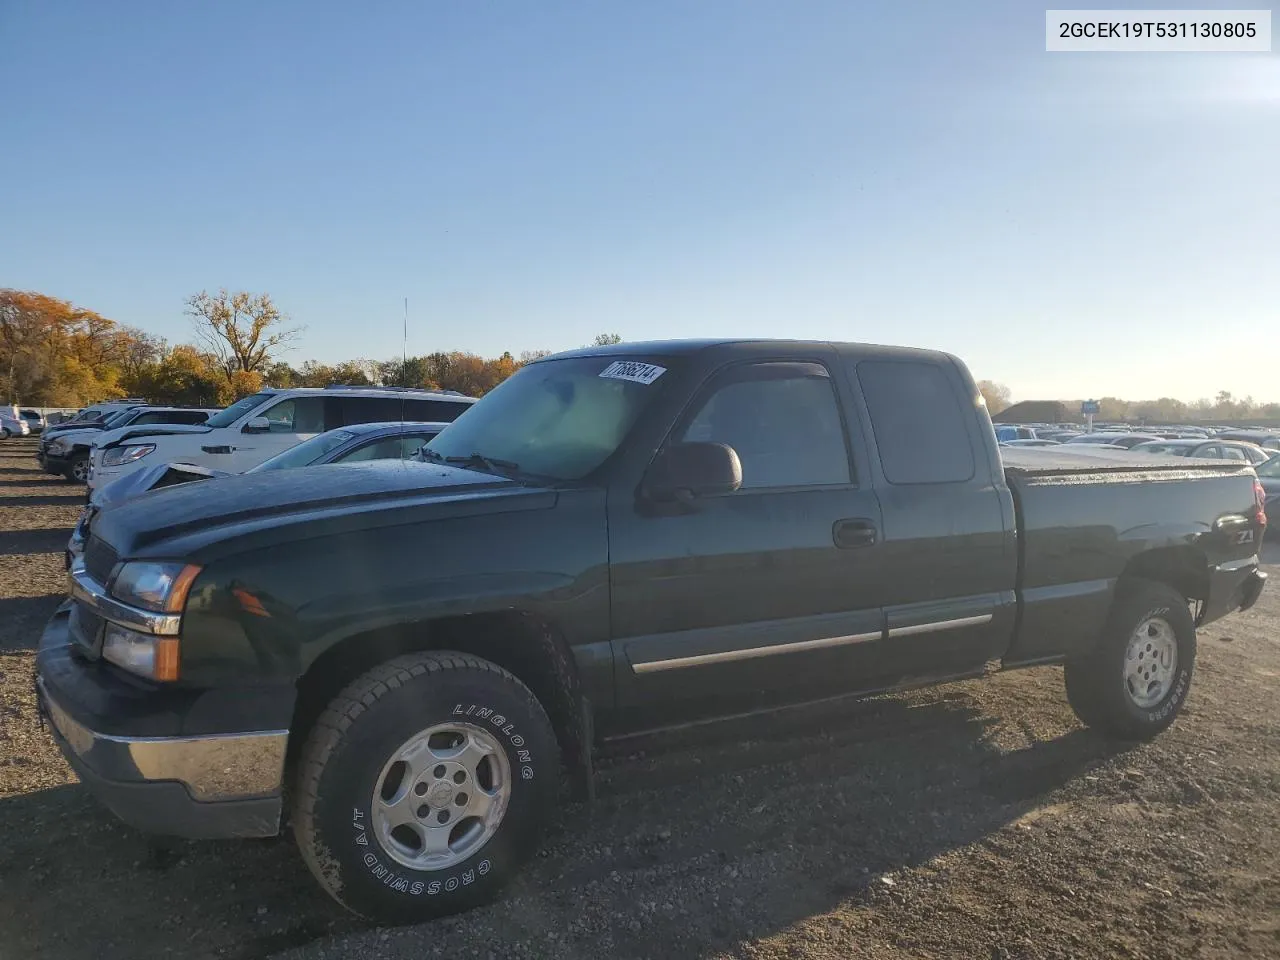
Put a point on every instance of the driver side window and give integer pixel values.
(783, 421)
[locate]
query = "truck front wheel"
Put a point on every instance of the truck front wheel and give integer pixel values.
(1134, 682)
(424, 785)
(78, 471)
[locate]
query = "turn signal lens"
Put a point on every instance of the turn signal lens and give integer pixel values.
(155, 658)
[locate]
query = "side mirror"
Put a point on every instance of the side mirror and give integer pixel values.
(688, 470)
(257, 425)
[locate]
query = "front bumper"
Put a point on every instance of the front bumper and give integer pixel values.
(198, 785)
(100, 476)
(51, 463)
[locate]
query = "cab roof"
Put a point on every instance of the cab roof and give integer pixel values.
(746, 347)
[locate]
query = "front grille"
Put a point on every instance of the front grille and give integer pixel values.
(86, 630)
(99, 560)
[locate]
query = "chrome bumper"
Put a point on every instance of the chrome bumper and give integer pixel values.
(212, 768)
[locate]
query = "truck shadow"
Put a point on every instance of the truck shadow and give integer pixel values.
(16, 543)
(789, 816)
(70, 498)
(23, 618)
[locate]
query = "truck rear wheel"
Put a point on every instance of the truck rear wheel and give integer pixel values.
(1135, 681)
(424, 785)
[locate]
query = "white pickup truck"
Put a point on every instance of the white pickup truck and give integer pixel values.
(264, 424)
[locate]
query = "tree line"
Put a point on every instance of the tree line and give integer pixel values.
(54, 353)
(1224, 406)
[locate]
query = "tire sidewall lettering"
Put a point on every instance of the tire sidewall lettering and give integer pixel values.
(1173, 700)
(385, 872)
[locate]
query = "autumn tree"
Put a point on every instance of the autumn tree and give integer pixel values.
(185, 377)
(996, 395)
(54, 353)
(241, 329)
(136, 350)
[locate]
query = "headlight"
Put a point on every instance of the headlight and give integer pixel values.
(161, 587)
(148, 656)
(57, 446)
(118, 455)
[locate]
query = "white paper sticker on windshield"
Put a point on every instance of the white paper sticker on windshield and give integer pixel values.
(634, 371)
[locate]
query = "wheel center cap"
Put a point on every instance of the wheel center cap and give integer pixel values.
(439, 795)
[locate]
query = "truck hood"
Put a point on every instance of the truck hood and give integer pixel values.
(249, 502)
(140, 481)
(71, 437)
(114, 438)
(60, 428)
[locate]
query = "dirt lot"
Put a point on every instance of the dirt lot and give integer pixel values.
(973, 820)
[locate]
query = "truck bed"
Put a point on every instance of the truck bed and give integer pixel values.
(1082, 515)
(1077, 459)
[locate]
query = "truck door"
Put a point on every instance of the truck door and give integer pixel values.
(766, 594)
(949, 554)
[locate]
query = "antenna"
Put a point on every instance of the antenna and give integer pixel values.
(404, 367)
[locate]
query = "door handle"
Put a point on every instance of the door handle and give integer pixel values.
(849, 534)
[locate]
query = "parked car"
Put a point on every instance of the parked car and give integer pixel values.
(89, 418)
(613, 539)
(1113, 439)
(1213, 449)
(11, 426)
(271, 421)
(1006, 432)
(1269, 477)
(67, 452)
(353, 444)
(35, 420)
(1057, 434)
(1030, 443)
(1263, 438)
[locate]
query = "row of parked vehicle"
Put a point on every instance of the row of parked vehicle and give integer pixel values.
(1224, 443)
(108, 441)
(406, 659)
(15, 422)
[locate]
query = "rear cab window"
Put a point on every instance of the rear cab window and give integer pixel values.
(921, 423)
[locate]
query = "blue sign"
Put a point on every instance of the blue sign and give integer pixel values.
(1089, 406)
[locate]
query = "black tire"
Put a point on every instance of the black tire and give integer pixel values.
(78, 469)
(358, 735)
(4, 433)
(1097, 688)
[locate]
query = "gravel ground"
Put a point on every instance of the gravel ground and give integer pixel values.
(972, 820)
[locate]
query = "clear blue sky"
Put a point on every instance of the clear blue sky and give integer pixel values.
(531, 174)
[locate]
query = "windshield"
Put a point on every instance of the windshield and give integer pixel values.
(118, 419)
(234, 412)
(306, 452)
(1270, 469)
(556, 418)
(1172, 449)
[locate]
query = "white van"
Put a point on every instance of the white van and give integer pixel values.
(266, 423)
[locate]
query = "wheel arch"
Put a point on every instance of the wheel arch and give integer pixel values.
(528, 645)
(1182, 568)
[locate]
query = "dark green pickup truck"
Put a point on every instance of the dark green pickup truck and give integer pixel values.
(413, 659)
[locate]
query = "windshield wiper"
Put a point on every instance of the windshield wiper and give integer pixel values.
(492, 464)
